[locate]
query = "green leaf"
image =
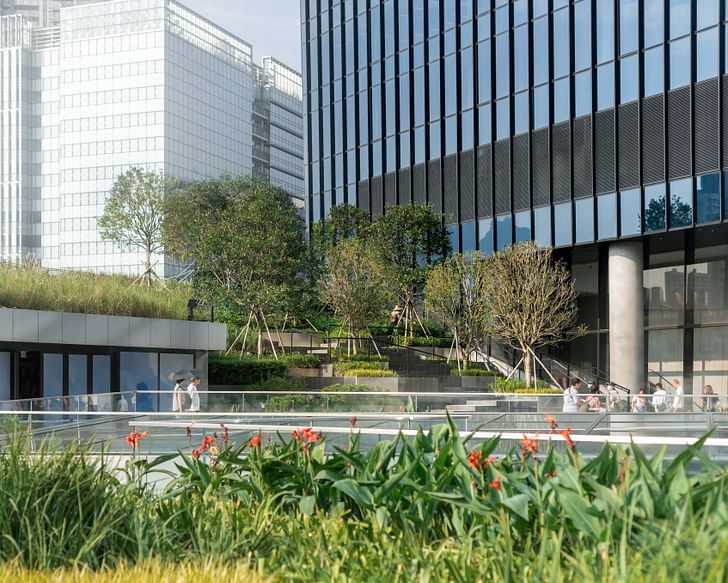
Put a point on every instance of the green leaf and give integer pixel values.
(518, 504)
(351, 488)
(577, 509)
(307, 505)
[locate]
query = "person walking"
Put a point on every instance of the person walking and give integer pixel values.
(571, 397)
(710, 400)
(659, 399)
(194, 394)
(639, 403)
(678, 400)
(178, 395)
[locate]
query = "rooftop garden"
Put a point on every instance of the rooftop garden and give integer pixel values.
(86, 293)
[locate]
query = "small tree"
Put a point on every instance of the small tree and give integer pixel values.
(531, 300)
(344, 222)
(353, 286)
(247, 243)
(409, 239)
(134, 213)
(454, 293)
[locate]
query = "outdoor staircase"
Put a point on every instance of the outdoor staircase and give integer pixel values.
(407, 362)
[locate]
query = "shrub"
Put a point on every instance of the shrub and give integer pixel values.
(423, 341)
(87, 293)
(282, 384)
(368, 372)
(296, 360)
(289, 403)
(342, 368)
(360, 357)
(230, 370)
(379, 403)
(502, 385)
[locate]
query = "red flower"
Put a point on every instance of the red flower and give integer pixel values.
(528, 446)
(314, 437)
(551, 421)
(296, 436)
(352, 421)
(566, 433)
(496, 484)
(474, 459)
(225, 434)
(196, 454)
(206, 443)
(489, 460)
(134, 438)
(255, 441)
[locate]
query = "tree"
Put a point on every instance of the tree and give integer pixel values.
(681, 214)
(531, 300)
(409, 239)
(353, 285)
(134, 212)
(246, 240)
(454, 292)
(344, 222)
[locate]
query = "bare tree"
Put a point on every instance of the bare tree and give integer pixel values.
(134, 213)
(531, 300)
(455, 294)
(353, 286)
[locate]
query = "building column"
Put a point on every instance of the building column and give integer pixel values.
(626, 316)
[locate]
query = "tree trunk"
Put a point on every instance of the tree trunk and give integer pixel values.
(147, 267)
(527, 365)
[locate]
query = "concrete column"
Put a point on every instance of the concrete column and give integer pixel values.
(626, 316)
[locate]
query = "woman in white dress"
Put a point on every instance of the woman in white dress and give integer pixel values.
(194, 395)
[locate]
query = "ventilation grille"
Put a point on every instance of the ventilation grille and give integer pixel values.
(502, 173)
(653, 139)
(363, 200)
(485, 182)
(583, 167)
(521, 174)
(434, 186)
(467, 186)
(629, 146)
(390, 189)
(604, 151)
(725, 121)
(679, 138)
(561, 149)
(375, 189)
(404, 187)
(541, 168)
(450, 188)
(419, 183)
(707, 126)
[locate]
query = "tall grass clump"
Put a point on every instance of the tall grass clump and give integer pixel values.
(87, 293)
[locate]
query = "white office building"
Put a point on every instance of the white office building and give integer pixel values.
(118, 84)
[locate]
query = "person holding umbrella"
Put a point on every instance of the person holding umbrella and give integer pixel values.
(192, 392)
(178, 396)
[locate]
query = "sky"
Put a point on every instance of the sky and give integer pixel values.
(271, 26)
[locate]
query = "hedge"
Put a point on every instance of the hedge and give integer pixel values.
(229, 370)
(342, 368)
(302, 360)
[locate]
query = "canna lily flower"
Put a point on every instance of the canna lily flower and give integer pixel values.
(196, 454)
(496, 484)
(225, 434)
(528, 446)
(551, 421)
(135, 437)
(566, 433)
(255, 441)
(474, 459)
(207, 442)
(296, 436)
(352, 421)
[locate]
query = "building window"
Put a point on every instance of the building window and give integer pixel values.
(680, 17)
(562, 100)
(707, 12)
(561, 43)
(654, 71)
(630, 212)
(607, 216)
(629, 88)
(562, 225)
(654, 22)
(521, 116)
(502, 119)
(605, 86)
(542, 226)
(523, 226)
(707, 198)
(485, 232)
(541, 107)
(583, 93)
(628, 26)
(540, 51)
(654, 211)
(504, 234)
(680, 66)
(452, 233)
(605, 30)
(77, 374)
(52, 375)
(582, 35)
(584, 220)
(707, 54)
(681, 203)
(468, 235)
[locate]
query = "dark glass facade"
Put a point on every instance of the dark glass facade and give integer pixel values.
(575, 123)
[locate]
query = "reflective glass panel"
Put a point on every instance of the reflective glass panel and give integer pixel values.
(521, 117)
(504, 232)
(434, 91)
(630, 82)
(540, 51)
(520, 12)
(725, 196)
(680, 64)
(484, 26)
(605, 30)
(654, 208)
(562, 45)
(467, 139)
(485, 231)
(468, 234)
(451, 85)
(541, 106)
(503, 119)
(654, 22)
(582, 35)
(452, 232)
(466, 79)
(101, 373)
(665, 296)
(707, 54)
(583, 93)
(710, 358)
(628, 26)
(501, 19)
(605, 86)
(451, 134)
(502, 66)
(706, 13)
(707, 198)
(5, 392)
(540, 7)
(523, 226)
(562, 100)
(520, 57)
(484, 78)
(654, 71)
(630, 212)
(707, 277)
(77, 374)
(607, 216)
(52, 375)
(680, 17)
(562, 224)
(485, 131)
(681, 203)
(435, 145)
(542, 226)
(584, 220)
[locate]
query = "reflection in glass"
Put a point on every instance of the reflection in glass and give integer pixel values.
(680, 17)
(468, 234)
(541, 106)
(628, 29)
(707, 54)
(664, 295)
(502, 66)
(605, 30)
(52, 375)
(654, 22)
(484, 125)
(5, 392)
(584, 220)
(467, 139)
(77, 374)
(607, 216)
(582, 35)
(562, 100)
(504, 234)
(520, 114)
(138, 371)
(655, 208)
(561, 43)
(709, 280)
(562, 224)
(707, 197)
(542, 226)
(664, 355)
(630, 79)
(484, 72)
(523, 226)
(630, 212)
(540, 51)
(101, 374)
(586, 282)
(681, 203)
(710, 359)
(520, 58)
(502, 118)
(583, 93)
(485, 231)
(680, 65)
(170, 363)
(707, 13)
(452, 233)
(605, 86)
(654, 71)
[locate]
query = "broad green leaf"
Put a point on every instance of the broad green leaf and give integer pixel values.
(577, 509)
(307, 505)
(352, 489)
(518, 504)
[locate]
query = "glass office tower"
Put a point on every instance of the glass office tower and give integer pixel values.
(597, 127)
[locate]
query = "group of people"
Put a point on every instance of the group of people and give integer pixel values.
(181, 393)
(594, 399)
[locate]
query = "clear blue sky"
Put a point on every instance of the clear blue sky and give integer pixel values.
(271, 26)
